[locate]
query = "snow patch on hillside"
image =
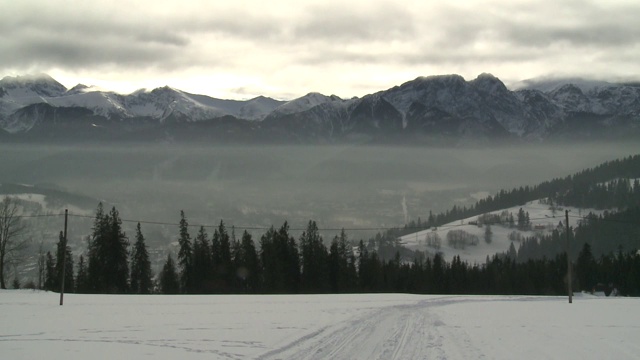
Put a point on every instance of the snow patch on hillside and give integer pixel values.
(544, 219)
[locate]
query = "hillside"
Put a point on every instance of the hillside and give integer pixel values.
(471, 245)
(530, 216)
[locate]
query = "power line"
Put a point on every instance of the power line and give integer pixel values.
(38, 216)
(378, 228)
(238, 227)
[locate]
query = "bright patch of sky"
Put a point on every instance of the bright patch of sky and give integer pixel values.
(285, 49)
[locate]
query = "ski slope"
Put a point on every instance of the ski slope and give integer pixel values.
(363, 326)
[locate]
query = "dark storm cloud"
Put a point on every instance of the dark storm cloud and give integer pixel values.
(68, 40)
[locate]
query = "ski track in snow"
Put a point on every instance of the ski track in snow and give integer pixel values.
(395, 333)
(350, 326)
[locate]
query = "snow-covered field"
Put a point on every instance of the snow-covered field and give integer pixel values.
(365, 326)
(543, 221)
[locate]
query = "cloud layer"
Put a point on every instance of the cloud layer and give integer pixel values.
(285, 48)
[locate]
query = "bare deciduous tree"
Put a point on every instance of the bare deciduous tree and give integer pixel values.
(12, 229)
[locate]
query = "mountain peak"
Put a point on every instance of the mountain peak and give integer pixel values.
(488, 83)
(42, 84)
(78, 89)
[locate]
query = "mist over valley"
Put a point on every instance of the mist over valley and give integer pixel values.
(353, 187)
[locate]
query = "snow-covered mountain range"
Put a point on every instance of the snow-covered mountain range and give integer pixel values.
(34, 106)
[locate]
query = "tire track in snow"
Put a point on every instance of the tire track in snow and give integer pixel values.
(396, 332)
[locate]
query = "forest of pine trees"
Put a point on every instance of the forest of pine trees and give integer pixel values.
(604, 252)
(611, 185)
(222, 264)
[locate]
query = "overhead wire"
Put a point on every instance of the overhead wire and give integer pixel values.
(377, 228)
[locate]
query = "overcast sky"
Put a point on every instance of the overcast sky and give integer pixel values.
(286, 48)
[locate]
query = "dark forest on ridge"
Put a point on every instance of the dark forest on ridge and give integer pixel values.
(604, 252)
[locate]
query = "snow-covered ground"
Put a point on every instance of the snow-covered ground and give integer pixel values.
(365, 326)
(543, 221)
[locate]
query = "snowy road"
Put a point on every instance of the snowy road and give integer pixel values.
(363, 326)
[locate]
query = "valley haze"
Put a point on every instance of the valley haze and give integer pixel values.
(363, 164)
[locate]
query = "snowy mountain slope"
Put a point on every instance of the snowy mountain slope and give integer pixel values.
(17, 92)
(425, 107)
(544, 219)
(303, 103)
(253, 109)
(159, 104)
(549, 84)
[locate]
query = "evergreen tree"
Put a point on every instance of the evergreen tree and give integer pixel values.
(202, 265)
(42, 272)
(141, 276)
(238, 269)
(225, 270)
(488, 234)
(82, 277)
(108, 254)
(185, 256)
(586, 268)
(249, 264)
(118, 256)
(341, 264)
(169, 280)
(216, 261)
(280, 260)
(314, 260)
(96, 248)
(51, 280)
(68, 271)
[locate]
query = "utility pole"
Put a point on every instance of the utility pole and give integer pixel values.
(566, 214)
(64, 254)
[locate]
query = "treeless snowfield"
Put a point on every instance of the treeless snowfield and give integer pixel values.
(363, 326)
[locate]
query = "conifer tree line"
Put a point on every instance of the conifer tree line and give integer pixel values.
(276, 262)
(279, 264)
(110, 267)
(611, 185)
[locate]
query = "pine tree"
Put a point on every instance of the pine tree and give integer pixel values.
(237, 268)
(108, 254)
(97, 251)
(41, 267)
(141, 276)
(488, 234)
(280, 260)
(68, 271)
(216, 260)
(118, 256)
(226, 273)
(341, 264)
(314, 260)
(169, 280)
(202, 265)
(82, 277)
(51, 280)
(249, 264)
(586, 268)
(185, 256)
(334, 266)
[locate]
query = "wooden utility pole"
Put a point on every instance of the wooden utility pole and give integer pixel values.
(64, 254)
(570, 290)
